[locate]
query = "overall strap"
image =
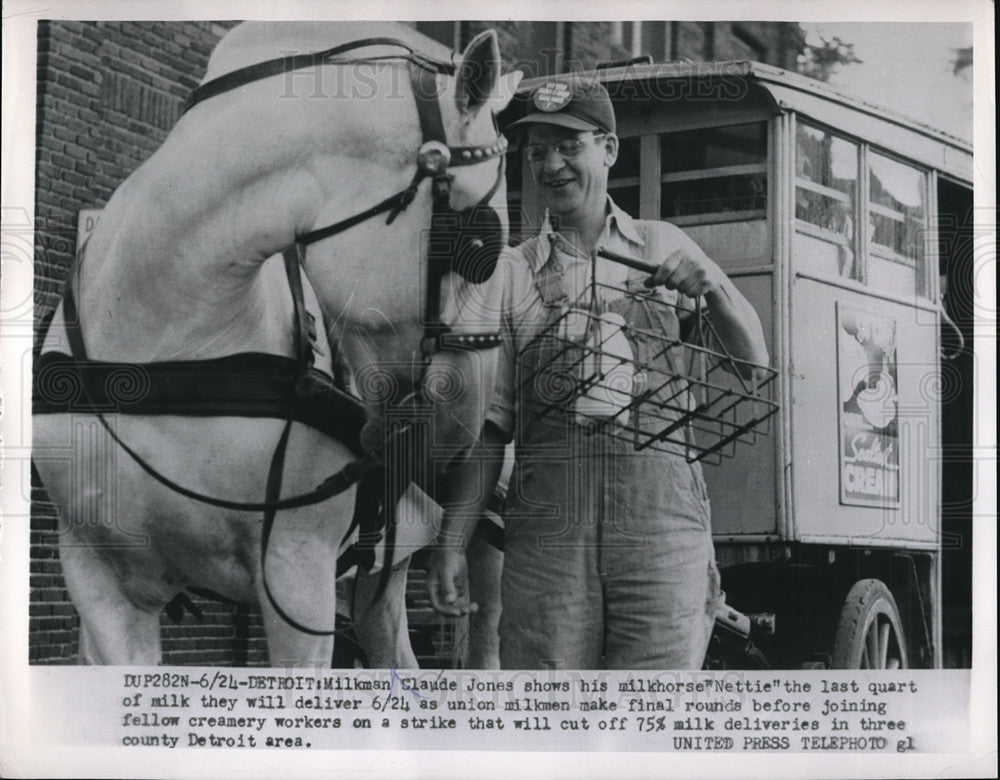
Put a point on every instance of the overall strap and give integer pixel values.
(549, 281)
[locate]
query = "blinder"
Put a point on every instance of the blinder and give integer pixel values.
(478, 241)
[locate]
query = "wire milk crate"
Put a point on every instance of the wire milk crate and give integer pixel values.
(636, 383)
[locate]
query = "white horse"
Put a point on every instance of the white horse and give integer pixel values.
(173, 272)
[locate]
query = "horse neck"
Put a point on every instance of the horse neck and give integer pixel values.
(186, 236)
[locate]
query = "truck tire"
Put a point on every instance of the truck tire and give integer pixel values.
(870, 633)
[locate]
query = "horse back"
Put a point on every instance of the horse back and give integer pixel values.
(252, 42)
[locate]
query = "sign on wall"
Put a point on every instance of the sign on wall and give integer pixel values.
(868, 413)
(85, 224)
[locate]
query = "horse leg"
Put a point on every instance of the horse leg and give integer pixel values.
(97, 553)
(485, 565)
(113, 630)
(381, 624)
(293, 649)
(301, 576)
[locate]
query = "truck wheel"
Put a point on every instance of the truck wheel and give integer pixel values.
(870, 633)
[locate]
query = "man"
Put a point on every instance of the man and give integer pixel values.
(608, 551)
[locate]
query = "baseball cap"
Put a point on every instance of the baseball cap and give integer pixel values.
(576, 103)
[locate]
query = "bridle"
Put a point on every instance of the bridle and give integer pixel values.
(467, 242)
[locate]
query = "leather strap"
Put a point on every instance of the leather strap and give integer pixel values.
(305, 328)
(393, 204)
(247, 384)
(425, 92)
(333, 485)
(425, 88)
(261, 70)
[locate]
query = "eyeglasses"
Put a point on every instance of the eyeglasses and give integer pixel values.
(568, 148)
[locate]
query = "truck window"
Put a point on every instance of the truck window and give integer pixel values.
(714, 171)
(826, 191)
(623, 181)
(897, 216)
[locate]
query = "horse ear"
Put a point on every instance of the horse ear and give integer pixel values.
(506, 89)
(478, 73)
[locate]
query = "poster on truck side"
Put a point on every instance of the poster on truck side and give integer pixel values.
(868, 413)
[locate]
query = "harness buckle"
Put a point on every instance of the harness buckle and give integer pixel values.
(441, 190)
(433, 158)
(430, 346)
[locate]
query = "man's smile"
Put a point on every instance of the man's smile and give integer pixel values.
(558, 183)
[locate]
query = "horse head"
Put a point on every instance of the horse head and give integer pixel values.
(411, 299)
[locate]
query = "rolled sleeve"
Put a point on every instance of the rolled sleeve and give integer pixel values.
(501, 409)
(519, 300)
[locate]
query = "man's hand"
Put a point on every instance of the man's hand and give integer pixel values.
(688, 270)
(448, 582)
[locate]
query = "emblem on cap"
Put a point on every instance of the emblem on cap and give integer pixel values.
(552, 96)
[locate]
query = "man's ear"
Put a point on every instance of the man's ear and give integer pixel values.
(610, 149)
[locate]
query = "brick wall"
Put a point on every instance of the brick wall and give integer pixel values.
(776, 44)
(108, 93)
(590, 43)
(690, 38)
(582, 45)
(535, 48)
(52, 621)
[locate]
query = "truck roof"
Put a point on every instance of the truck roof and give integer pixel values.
(784, 89)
